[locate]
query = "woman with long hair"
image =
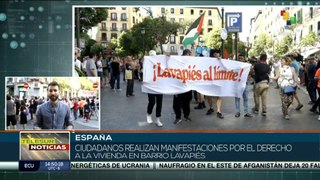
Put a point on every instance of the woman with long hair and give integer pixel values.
(286, 77)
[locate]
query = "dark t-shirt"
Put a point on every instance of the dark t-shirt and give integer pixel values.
(261, 72)
(311, 71)
(115, 66)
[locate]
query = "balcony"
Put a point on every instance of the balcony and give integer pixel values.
(124, 29)
(114, 29)
(316, 11)
(104, 29)
(114, 19)
(124, 19)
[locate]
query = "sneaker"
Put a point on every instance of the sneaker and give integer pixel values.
(319, 118)
(264, 113)
(287, 117)
(255, 110)
(247, 115)
(199, 106)
(237, 115)
(187, 118)
(299, 107)
(313, 110)
(210, 111)
(149, 119)
(220, 115)
(177, 121)
(159, 122)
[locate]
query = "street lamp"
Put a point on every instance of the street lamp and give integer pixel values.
(143, 32)
(222, 26)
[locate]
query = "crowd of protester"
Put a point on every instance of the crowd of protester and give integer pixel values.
(23, 110)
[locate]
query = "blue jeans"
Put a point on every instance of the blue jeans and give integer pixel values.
(245, 101)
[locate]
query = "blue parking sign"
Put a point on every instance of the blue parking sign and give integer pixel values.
(234, 22)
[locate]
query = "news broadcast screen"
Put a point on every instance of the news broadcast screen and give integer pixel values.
(160, 89)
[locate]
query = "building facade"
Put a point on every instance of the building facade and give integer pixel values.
(124, 18)
(119, 19)
(186, 16)
(15, 86)
(269, 21)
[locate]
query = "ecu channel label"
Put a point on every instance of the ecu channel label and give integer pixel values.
(44, 151)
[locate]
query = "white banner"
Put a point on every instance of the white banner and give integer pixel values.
(209, 76)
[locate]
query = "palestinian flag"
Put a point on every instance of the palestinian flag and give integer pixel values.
(193, 32)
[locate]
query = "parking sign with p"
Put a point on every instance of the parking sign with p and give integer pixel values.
(234, 22)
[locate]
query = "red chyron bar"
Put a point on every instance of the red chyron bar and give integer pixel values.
(42, 147)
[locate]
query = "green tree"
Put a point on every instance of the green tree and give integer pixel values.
(90, 17)
(97, 49)
(269, 42)
(87, 48)
(163, 29)
(113, 43)
(252, 52)
(260, 44)
(86, 84)
(116, 46)
(156, 32)
(64, 83)
(213, 39)
(284, 46)
(309, 40)
(126, 43)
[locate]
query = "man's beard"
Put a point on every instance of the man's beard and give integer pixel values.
(53, 98)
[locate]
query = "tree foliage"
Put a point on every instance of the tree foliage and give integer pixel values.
(157, 31)
(64, 84)
(87, 48)
(90, 17)
(260, 44)
(97, 49)
(126, 43)
(213, 39)
(309, 40)
(284, 46)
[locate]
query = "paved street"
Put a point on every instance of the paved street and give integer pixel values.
(129, 113)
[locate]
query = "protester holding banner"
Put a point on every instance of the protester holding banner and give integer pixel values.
(215, 54)
(244, 96)
(179, 74)
(261, 86)
(182, 100)
(152, 99)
